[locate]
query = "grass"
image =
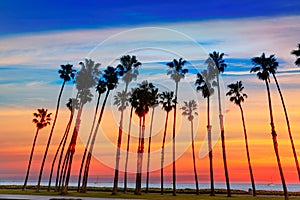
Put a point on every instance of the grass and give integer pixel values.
(186, 194)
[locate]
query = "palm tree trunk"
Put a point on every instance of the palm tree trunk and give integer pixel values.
(138, 172)
(30, 159)
(127, 152)
(194, 160)
(275, 143)
(149, 150)
(57, 151)
(50, 137)
(88, 161)
(288, 126)
(58, 175)
(211, 169)
(163, 156)
(116, 177)
(174, 141)
(247, 150)
(63, 172)
(223, 140)
(87, 144)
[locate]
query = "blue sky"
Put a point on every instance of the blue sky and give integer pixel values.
(36, 37)
(18, 16)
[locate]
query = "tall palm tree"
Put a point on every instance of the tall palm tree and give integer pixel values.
(189, 110)
(154, 104)
(263, 68)
(204, 84)
(130, 66)
(86, 78)
(237, 96)
(273, 69)
(67, 73)
(176, 72)
(41, 119)
(100, 88)
(71, 106)
(111, 78)
(128, 142)
(220, 64)
(297, 54)
(141, 99)
(168, 103)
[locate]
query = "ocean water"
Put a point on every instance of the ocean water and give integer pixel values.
(238, 186)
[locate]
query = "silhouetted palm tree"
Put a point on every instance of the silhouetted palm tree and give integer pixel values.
(41, 119)
(128, 142)
(297, 54)
(204, 84)
(67, 73)
(86, 78)
(220, 64)
(189, 110)
(141, 99)
(176, 73)
(273, 69)
(263, 68)
(154, 104)
(130, 66)
(237, 96)
(168, 103)
(111, 78)
(100, 88)
(71, 106)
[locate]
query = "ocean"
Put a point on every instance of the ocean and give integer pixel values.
(237, 186)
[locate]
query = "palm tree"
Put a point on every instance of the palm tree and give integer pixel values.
(141, 99)
(130, 66)
(297, 54)
(204, 84)
(41, 119)
(176, 73)
(263, 68)
(100, 88)
(220, 64)
(273, 69)
(237, 96)
(128, 142)
(71, 106)
(168, 103)
(67, 73)
(154, 104)
(189, 110)
(86, 78)
(111, 78)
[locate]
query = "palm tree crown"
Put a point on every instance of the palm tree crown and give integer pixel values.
(42, 118)
(142, 97)
(121, 99)
(167, 100)
(67, 72)
(297, 54)
(218, 60)
(189, 109)
(264, 66)
(205, 81)
(130, 65)
(236, 93)
(176, 70)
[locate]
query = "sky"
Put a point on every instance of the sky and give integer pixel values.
(36, 37)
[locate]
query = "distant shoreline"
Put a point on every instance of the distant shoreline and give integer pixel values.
(10, 189)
